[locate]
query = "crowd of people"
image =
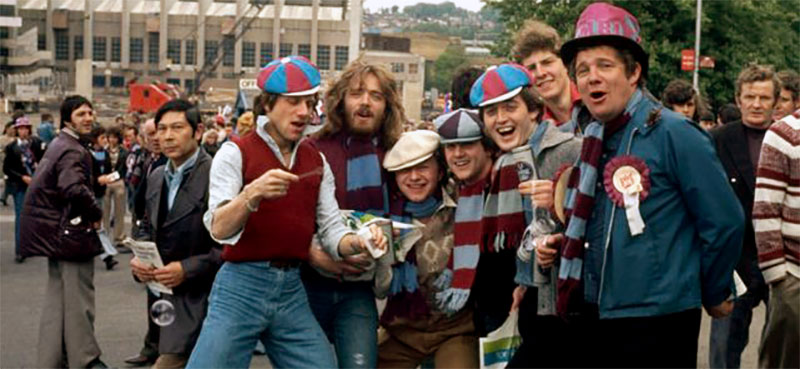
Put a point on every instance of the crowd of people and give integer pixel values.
(558, 187)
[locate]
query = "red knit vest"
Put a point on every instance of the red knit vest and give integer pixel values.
(282, 228)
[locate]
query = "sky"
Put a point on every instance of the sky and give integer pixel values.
(375, 5)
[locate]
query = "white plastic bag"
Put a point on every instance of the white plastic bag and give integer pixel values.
(499, 346)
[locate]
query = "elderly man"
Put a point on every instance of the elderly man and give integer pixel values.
(653, 230)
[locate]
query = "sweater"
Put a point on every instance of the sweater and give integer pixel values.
(282, 228)
(776, 212)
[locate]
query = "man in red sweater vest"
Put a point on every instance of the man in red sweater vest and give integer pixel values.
(269, 193)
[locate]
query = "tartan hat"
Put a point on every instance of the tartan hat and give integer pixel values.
(22, 121)
(606, 24)
(411, 149)
(499, 83)
(462, 125)
(289, 76)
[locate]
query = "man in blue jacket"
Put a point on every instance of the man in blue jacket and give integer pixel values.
(654, 230)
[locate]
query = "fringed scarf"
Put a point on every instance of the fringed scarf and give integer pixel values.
(405, 298)
(365, 186)
(456, 281)
(579, 205)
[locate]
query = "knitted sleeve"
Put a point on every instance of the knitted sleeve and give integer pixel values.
(775, 216)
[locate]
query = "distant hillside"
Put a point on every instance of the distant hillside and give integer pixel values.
(445, 19)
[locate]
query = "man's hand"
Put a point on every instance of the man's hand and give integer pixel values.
(378, 238)
(516, 297)
(142, 272)
(271, 185)
(547, 249)
(722, 310)
(351, 244)
(27, 179)
(320, 259)
(541, 192)
(171, 275)
(103, 180)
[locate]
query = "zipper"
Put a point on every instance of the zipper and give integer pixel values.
(610, 226)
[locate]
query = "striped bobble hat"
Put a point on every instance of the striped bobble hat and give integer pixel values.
(462, 125)
(499, 83)
(289, 76)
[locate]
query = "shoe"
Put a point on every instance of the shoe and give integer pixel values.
(98, 364)
(19, 259)
(110, 262)
(122, 249)
(140, 360)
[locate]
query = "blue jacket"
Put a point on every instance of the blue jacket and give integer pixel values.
(694, 224)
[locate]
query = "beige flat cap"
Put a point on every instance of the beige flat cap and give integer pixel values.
(411, 149)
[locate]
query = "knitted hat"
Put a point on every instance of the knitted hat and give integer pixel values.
(605, 24)
(499, 83)
(411, 149)
(289, 76)
(462, 125)
(22, 121)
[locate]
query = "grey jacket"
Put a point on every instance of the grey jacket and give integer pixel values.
(552, 149)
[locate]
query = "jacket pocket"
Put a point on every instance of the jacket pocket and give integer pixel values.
(77, 243)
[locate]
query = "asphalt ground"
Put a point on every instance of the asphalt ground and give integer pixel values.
(121, 312)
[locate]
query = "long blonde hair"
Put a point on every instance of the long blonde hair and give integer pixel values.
(394, 114)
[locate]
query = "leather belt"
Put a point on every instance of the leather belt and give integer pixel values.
(285, 264)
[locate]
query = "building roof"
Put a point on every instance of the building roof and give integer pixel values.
(216, 9)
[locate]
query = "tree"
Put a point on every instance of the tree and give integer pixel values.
(444, 67)
(734, 33)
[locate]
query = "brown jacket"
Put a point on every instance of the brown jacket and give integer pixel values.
(60, 207)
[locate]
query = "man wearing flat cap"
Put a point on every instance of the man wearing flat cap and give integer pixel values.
(653, 230)
(416, 325)
(470, 154)
(269, 193)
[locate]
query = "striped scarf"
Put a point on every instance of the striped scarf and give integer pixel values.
(365, 187)
(456, 280)
(405, 299)
(503, 220)
(578, 208)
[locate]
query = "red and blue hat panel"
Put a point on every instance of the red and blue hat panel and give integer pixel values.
(292, 75)
(497, 82)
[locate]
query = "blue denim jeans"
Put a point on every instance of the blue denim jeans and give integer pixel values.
(19, 198)
(348, 315)
(730, 335)
(252, 301)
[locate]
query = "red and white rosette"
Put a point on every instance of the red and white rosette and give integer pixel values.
(627, 183)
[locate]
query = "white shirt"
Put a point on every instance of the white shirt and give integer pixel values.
(226, 182)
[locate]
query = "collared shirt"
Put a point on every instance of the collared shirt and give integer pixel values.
(574, 97)
(174, 176)
(226, 182)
